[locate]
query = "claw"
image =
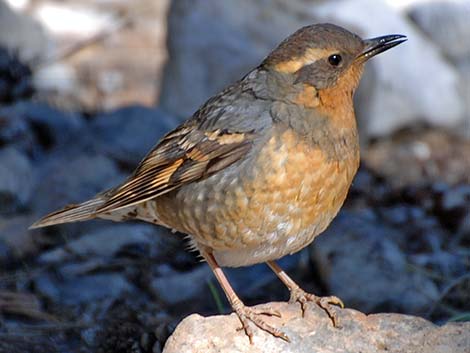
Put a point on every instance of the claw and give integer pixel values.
(299, 295)
(268, 312)
(247, 315)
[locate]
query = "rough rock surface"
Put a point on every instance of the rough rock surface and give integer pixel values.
(393, 333)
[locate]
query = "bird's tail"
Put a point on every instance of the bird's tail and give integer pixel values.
(72, 213)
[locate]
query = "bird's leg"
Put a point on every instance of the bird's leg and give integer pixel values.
(297, 294)
(245, 313)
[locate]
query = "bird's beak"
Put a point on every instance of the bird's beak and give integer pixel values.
(378, 45)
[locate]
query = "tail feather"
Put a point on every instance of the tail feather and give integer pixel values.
(71, 213)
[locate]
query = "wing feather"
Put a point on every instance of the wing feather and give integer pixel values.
(183, 156)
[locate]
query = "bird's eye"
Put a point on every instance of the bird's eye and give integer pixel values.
(335, 59)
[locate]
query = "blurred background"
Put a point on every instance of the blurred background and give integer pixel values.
(86, 89)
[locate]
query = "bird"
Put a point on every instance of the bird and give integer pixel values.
(260, 169)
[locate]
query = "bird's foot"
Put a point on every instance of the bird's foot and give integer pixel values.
(299, 295)
(247, 314)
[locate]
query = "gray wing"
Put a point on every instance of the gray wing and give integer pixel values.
(219, 134)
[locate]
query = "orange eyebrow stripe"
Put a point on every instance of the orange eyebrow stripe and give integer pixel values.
(311, 55)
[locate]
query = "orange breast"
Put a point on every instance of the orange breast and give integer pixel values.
(264, 208)
(296, 188)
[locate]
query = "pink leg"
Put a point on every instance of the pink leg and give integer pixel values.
(245, 313)
(297, 294)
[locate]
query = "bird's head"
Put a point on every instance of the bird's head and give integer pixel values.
(326, 56)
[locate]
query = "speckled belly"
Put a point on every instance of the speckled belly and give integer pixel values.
(264, 207)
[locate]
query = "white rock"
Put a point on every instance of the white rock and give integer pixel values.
(392, 333)
(18, 4)
(57, 77)
(447, 24)
(77, 21)
(410, 83)
(463, 68)
(407, 4)
(22, 34)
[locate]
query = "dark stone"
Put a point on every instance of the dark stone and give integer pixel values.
(51, 126)
(174, 287)
(15, 78)
(6, 255)
(14, 233)
(108, 242)
(15, 130)
(65, 179)
(16, 177)
(127, 134)
(77, 290)
(361, 263)
(36, 127)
